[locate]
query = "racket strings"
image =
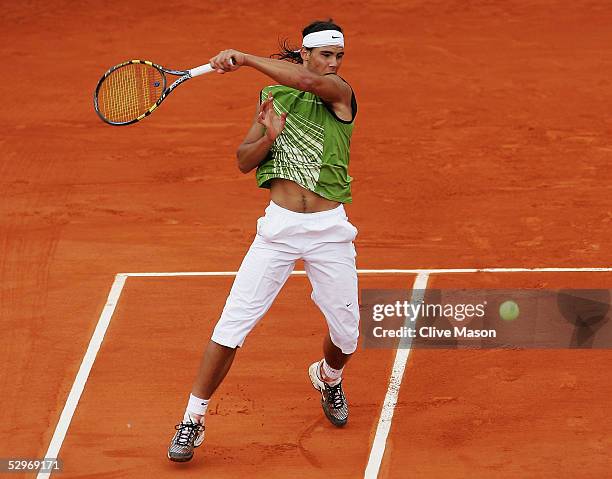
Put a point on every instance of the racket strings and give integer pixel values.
(129, 92)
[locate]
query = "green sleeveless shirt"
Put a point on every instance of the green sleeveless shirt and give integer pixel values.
(313, 148)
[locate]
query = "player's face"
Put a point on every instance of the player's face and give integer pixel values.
(323, 60)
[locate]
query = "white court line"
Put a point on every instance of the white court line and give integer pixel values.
(390, 271)
(397, 373)
(400, 360)
(81, 378)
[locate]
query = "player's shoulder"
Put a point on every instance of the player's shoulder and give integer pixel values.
(342, 84)
(351, 100)
(337, 78)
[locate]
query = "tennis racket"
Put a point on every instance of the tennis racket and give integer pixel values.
(132, 90)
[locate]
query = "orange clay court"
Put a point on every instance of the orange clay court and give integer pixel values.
(483, 139)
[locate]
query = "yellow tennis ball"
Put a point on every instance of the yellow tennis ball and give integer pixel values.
(509, 310)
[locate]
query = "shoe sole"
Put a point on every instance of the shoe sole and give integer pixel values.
(312, 374)
(186, 458)
(180, 459)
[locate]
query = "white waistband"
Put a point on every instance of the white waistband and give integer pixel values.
(279, 210)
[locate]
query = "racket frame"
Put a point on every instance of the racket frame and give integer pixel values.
(183, 75)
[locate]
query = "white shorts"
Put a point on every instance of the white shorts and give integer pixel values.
(324, 241)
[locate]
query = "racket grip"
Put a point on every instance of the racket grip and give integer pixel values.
(197, 71)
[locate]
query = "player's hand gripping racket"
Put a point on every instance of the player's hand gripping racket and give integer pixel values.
(132, 90)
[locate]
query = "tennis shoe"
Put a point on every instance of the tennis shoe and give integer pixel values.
(189, 435)
(333, 400)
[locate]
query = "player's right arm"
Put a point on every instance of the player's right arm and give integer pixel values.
(266, 126)
(330, 88)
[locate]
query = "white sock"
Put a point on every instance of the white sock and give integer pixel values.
(330, 375)
(196, 409)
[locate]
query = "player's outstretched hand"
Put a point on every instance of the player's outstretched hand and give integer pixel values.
(227, 61)
(267, 117)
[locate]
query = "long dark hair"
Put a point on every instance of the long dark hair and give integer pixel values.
(292, 54)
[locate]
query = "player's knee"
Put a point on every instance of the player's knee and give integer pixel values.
(345, 341)
(232, 330)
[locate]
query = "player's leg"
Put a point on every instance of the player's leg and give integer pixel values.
(332, 272)
(263, 272)
(333, 355)
(214, 366)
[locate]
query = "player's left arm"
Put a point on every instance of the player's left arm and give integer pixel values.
(330, 88)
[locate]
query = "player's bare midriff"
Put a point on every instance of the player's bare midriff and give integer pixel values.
(291, 196)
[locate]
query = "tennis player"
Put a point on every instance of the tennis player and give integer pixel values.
(299, 143)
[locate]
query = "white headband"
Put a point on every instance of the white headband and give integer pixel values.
(323, 39)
